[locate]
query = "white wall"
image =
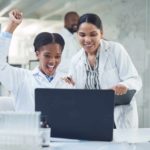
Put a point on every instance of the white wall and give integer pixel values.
(128, 22)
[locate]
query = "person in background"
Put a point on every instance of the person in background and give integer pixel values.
(71, 43)
(22, 82)
(102, 64)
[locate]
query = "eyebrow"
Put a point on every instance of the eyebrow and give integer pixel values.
(90, 32)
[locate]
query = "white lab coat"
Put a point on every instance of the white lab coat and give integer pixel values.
(23, 82)
(70, 49)
(115, 66)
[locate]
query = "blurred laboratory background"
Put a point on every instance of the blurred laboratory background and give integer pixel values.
(124, 21)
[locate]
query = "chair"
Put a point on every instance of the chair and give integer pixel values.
(6, 103)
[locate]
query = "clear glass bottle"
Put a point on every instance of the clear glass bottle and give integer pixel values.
(45, 132)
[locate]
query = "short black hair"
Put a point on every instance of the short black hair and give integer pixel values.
(70, 13)
(91, 18)
(45, 38)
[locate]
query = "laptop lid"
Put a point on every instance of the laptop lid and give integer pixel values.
(77, 113)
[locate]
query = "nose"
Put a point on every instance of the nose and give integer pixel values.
(87, 39)
(52, 61)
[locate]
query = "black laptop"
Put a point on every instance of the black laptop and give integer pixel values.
(78, 113)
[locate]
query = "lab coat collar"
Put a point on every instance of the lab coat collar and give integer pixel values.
(66, 32)
(37, 71)
(105, 46)
(58, 75)
(104, 49)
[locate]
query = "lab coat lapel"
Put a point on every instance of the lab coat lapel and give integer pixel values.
(54, 82)
(41, 79)
(103, 57)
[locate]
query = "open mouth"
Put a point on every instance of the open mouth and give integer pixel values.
(51, 67)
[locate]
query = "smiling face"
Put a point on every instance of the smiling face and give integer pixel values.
(49, 57)
(89, 37)
(71, 22)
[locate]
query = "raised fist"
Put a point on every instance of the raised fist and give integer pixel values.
(15, 16)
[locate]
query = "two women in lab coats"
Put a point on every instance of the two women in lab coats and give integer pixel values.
(102, 64)
(22, 82)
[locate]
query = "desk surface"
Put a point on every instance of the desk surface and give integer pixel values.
(140, 135)
(124, 139)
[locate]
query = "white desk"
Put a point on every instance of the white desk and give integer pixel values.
(124, 139)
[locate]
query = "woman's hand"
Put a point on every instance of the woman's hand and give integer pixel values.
(69, 80)
(120, 89)
(15, 18)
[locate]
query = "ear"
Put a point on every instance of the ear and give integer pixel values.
(37, 54)
(102, 34)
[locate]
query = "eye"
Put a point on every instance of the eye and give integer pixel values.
(47, 56)
(81, 34)
(58, 57)
(94, 34)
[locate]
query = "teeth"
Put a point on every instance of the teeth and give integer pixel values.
(51, 66)
(88, 44)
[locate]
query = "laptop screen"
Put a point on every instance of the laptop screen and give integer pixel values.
(77, 113)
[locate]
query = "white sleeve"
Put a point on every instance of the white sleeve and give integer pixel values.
(10, 77)
(126, 69)
(5, 39)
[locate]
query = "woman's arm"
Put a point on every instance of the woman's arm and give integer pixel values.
(10, 76)
(15, 18)
(128, 74)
